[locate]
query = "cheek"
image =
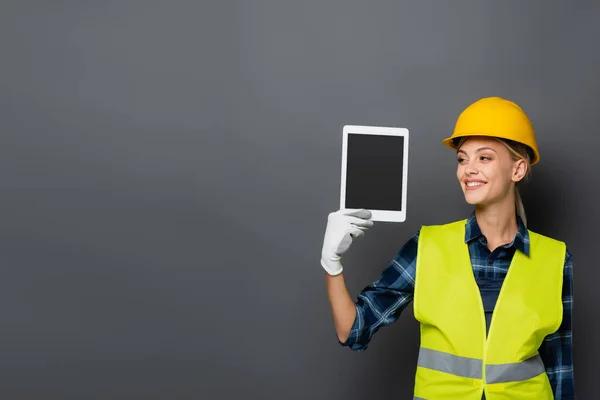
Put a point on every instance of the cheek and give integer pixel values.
(460, 171)
(497, 177)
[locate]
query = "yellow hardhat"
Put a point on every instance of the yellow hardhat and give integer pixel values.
(495, 117)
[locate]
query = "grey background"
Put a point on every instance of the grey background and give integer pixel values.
(167, 168)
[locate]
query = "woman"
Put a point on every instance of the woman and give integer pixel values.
(487, 330)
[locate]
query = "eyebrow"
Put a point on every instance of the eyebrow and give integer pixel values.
(478, 150)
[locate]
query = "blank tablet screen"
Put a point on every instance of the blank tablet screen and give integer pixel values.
(374, 172)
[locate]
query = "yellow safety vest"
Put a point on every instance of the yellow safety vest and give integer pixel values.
(456, 360)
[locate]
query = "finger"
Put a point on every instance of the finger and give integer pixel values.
(362, 213)
(360, 222)
(356, 232)
(344, 244)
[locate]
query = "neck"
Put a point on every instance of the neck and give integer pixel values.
(497, 223)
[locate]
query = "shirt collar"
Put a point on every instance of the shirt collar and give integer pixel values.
(520, 241)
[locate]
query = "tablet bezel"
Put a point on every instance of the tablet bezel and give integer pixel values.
(376, 215)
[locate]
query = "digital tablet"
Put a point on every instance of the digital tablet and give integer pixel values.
(375, 171)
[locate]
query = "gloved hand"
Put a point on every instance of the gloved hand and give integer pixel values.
(342, 227)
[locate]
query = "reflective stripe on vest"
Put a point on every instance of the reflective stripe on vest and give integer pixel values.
(472, 367)
(530, 368)
(449, 363)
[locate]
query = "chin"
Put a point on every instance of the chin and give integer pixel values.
(473, 199)
(472, 202)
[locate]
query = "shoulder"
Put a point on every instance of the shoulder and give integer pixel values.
(548, 239)
(538, 235)
(460, 222)
(533, 236)
(453, 226)
(429, 227)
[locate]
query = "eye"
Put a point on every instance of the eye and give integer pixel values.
(460, 160)
(485, 158)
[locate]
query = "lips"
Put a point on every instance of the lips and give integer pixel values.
(474, 185)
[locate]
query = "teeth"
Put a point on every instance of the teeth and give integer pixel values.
(472, 184)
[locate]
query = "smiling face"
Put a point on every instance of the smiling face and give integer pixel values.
(487, 171)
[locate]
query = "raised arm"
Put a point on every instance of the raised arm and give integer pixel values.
(380, 303)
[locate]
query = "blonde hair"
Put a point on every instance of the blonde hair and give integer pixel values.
(517, 151)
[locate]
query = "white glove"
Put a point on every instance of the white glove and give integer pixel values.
(342, 227)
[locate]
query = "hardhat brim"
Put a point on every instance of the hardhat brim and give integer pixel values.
(449, 142)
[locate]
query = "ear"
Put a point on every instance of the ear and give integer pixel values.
(519, 170)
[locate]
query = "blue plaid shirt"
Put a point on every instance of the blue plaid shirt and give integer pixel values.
(381, 303)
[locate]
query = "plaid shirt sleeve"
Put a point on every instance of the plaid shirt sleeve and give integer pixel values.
(557, 349)
(380, 303)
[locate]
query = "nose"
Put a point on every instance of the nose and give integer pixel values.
(470, 169)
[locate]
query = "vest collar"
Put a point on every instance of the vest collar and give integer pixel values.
(520, 241)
